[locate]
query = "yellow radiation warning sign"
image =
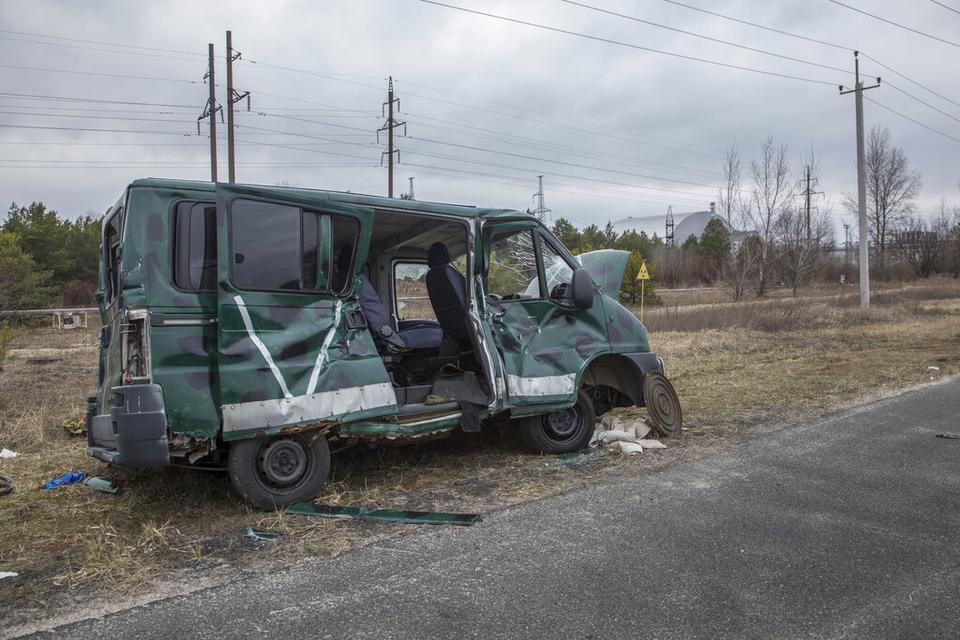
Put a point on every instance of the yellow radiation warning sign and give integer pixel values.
(643, 274)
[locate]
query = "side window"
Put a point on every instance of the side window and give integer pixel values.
(556, 270)
(513, 266)
(195, 246)
(344, 233)
(282, 247)
(111, 256)
(410, 291)
(266, 250)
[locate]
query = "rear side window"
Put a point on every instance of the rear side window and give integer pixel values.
(195, 246)
(283, 247)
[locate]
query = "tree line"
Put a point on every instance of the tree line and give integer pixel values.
(47, 260)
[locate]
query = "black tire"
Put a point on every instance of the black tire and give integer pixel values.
(270, 473)
(663, 405)
(562, 431)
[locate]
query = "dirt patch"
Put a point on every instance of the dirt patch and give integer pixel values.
(73, 541)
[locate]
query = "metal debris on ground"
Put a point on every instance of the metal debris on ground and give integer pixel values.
(101, 484)
(6, 485)
(949, 436)
(8, 574)
(71, 477)
(384, 515)
(932, 368)
(6, 453)
(261, 536)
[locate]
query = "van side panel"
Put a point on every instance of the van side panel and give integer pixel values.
(183, 336)
(110, 372)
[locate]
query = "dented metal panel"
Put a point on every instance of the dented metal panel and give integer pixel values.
(326, 405)
(606, 267)
(276, 349)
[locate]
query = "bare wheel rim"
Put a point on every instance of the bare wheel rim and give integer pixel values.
(562, 426)
(663, 406)
(283, 464)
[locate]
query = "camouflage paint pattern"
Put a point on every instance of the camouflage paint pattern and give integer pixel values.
(305, 345)
(544, 343)
(384, 515)
(210, 361)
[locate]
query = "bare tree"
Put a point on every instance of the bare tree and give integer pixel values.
(743, 264)
(802, 250)
(730, 196)
(891, 188)
(771, 196)
(919, 243)
(953, 244)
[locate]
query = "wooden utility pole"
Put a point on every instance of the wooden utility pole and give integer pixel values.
(861, 182)
(233, 97)
(211, 111)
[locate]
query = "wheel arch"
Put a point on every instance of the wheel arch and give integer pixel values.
(623, 372)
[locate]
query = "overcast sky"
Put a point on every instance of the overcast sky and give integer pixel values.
(489, 105)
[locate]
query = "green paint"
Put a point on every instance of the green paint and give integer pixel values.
(203, 358)
(385, 515)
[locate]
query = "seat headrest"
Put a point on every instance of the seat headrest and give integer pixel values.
(438, 255)
(343, 258)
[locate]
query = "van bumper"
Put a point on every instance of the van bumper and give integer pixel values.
(135, 430)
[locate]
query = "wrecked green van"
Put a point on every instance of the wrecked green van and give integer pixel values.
(253, 328)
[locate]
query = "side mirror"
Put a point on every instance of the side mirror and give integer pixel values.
(581, 289)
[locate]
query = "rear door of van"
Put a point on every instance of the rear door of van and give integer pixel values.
(293, 346)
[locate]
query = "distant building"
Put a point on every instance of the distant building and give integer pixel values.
(685, 224)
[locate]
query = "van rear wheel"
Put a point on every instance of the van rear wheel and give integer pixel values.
(563, 431)
(271, 473)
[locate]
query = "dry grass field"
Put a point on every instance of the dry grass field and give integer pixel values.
(736, 366)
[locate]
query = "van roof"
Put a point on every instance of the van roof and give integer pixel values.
(414, 206)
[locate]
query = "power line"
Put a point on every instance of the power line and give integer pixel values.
(569, 127)
(758, 26)
(522, 182)
(525, 170)
(908, 79)
(897, 24)
(101, 75)
(627, 44)
(562, 148)
(95, 100)
(139, 131)
(917, 122)
(809, 39)
(100, 42)
(110, 51)
(520, 109)
(88, 116)
(923, 102)
(704, 37)
(559, 162)
(945, 6)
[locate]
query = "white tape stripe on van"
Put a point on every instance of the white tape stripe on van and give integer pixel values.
(262, 347)
(541, 385)
(315, 375)
(326, 405)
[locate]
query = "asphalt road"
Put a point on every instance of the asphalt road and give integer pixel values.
(844, 527)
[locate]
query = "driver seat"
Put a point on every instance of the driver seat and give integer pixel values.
(448, 293)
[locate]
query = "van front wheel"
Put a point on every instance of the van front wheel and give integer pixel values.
(271, 473)
(563, 431)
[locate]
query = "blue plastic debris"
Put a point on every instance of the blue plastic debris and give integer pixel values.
(71, 477)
